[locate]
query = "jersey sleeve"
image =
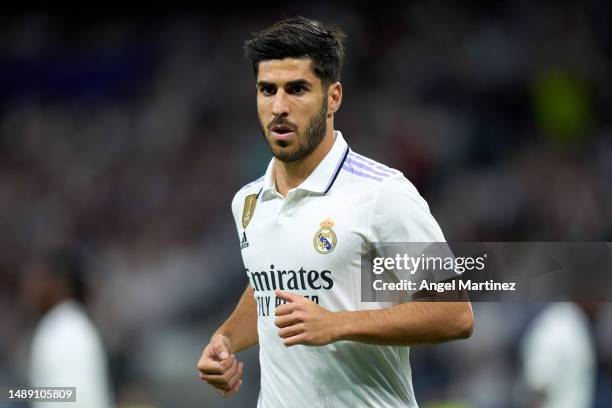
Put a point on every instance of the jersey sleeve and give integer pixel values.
(401, 224)
(400, 214)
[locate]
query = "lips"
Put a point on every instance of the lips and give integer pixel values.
(281, 136)
(281, 132)
(281, 128)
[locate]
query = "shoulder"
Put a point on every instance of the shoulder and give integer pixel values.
(383, 181)
(362, 169)
(564, 320)
(67, 327)
(397, 212)
(254, 187)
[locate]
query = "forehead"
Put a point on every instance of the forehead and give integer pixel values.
(285, 70)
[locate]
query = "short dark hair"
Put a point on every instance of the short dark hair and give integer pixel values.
(300, 38)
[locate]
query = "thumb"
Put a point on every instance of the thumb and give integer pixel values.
(288, 296)
(221, 349)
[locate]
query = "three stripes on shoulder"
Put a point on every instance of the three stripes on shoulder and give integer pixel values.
(363, 167)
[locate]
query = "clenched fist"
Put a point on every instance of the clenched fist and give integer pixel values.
(302, 321)
(219, 368)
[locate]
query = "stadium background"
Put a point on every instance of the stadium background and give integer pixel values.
(127, 136)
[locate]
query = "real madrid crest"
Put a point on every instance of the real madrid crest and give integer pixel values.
(325, 240)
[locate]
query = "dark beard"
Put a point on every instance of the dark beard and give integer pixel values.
(314, 132)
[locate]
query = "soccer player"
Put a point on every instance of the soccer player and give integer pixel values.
(301, 228)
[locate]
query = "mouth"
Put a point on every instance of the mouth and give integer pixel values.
(281, 132)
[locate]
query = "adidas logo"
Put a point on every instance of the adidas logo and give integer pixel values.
(244, 242)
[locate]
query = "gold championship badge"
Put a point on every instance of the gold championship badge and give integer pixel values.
(249, 209)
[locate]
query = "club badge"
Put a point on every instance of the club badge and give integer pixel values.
(325, 240)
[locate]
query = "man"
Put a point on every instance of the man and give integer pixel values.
(301, 227)
(66, 348)
(558, 356)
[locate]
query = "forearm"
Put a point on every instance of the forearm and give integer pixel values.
(241, 326)
(407, 324)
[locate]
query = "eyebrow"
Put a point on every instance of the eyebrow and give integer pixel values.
(297, 82)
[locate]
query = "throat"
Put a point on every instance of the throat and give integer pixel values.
(289, 175)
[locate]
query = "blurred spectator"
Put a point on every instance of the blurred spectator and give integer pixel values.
(66, 349)
(559, 359)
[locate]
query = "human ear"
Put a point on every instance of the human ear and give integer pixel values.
(334, 96)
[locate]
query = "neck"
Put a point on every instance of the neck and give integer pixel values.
(291, 175)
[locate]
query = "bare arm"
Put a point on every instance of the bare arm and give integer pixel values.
(241, 327)
(302, 321)
(408, 324)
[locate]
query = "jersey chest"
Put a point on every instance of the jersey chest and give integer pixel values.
(311, 247)
(317, 231)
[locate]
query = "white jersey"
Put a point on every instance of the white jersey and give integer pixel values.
(67, 352)
(310, 243)
(559, 359)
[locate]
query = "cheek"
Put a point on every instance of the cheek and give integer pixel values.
(306, 117)
(263, 109)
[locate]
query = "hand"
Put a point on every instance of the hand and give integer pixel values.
(219, 368)
(302, 321)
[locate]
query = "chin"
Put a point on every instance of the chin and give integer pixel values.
(284, 155)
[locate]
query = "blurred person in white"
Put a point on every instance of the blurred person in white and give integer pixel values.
(66, 349)
(558, 358)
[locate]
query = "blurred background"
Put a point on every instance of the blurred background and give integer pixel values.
(124, 138)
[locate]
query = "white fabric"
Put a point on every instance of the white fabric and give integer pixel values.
(559, 358)
(367, 202)
(67, 352)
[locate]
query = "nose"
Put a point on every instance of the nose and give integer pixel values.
(281, 107)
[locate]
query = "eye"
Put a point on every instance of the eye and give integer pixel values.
(267, 90)
(297, 90)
